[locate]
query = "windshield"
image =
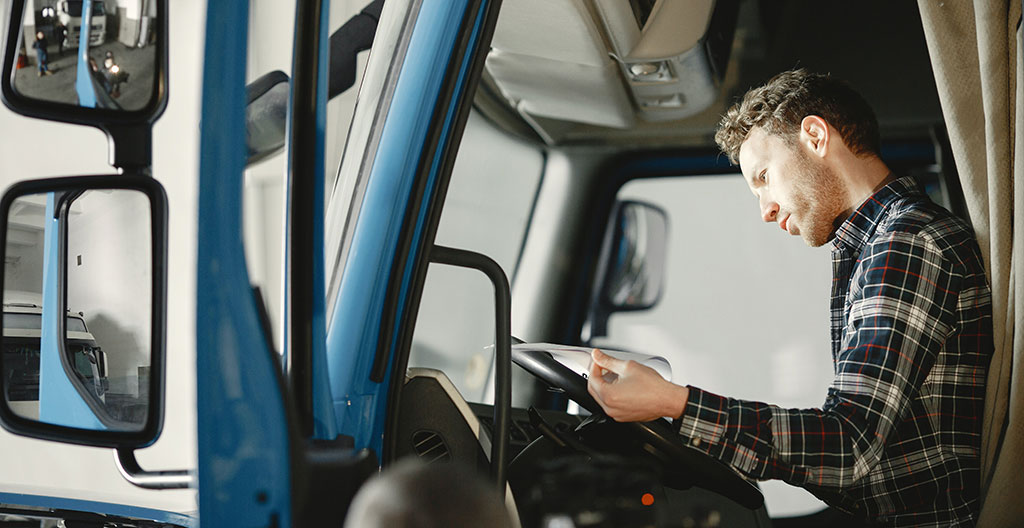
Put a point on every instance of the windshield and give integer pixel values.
(21, 365)
(75, 9)
(28, 321)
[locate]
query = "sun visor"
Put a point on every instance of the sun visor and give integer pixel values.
(606, 62)
(563, 90)
(549, 59)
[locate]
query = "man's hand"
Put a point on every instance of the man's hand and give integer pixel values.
(631, 392)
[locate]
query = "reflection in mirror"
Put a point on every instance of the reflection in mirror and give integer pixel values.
(88, 53)
(23, 300)
(97, 376)
(637, 257)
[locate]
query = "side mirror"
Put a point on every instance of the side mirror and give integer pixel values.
(631, 269)
(66, 66)
(266, 116)
(84, 287)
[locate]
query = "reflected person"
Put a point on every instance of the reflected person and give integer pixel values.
(898, 437)
(113, 75)
(60, 32)
(42, 59)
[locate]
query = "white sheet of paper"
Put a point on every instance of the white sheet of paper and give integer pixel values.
(578, 358)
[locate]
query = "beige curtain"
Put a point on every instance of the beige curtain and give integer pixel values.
(975, 48)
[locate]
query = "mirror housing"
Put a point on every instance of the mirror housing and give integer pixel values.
(631, 267)
(128, 130)
(266, 116)
(138, 422)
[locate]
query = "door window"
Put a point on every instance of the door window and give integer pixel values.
(745, 307)
(487, 210)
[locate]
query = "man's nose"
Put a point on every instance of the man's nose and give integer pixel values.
(769, 210)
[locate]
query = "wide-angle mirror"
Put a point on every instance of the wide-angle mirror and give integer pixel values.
(81, 340)
(88, 53)
(93, 62)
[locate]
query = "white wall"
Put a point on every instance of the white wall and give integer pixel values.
(23, 266)
(109, 279)
(132, 7)
(34, 149)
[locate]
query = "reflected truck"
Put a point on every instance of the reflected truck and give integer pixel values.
(21, 326)
(69, 12)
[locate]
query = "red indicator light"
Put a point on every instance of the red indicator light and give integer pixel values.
(647, 499)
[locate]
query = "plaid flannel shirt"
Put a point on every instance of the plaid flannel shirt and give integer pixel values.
(897, 440)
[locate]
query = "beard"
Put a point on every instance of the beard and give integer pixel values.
(818, 199)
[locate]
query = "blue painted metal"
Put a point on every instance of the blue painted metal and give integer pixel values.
(59, 401)
(435, 165)
(105, 508)
(83, 80)
(353, 333)
(243, 443)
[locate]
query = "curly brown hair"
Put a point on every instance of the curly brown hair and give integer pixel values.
(780, 105)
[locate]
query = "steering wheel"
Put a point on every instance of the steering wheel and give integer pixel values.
(657, 436)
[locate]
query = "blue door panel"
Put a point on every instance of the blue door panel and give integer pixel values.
(244, 462)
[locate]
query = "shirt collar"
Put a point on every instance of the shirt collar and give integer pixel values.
(855, 232)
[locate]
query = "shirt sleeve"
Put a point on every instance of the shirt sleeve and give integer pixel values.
(901, 309)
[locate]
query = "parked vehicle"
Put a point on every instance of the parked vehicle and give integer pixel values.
(69, 14)
(22, 324)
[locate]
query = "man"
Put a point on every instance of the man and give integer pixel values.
(60, 32)
(414, 494)
(897, 439)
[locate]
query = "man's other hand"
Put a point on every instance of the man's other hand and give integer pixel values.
(631, 392)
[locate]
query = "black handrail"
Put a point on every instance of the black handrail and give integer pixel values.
(502, 348)
(302, 191)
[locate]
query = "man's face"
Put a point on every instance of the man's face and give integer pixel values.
(794, 189)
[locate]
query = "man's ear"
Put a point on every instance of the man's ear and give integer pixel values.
(814, 135)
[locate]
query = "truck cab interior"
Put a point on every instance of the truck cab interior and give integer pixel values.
(368, 232)
(584, 107)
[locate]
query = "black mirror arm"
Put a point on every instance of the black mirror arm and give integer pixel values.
(131, 148)
(345, 44)
(129, 468)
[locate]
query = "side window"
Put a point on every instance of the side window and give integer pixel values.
(271, 41)
(487, 210)
(744, 309)
(271, 47)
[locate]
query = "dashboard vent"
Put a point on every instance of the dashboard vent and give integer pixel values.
(430, 446)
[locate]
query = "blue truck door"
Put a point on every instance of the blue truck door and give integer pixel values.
(248, 433)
